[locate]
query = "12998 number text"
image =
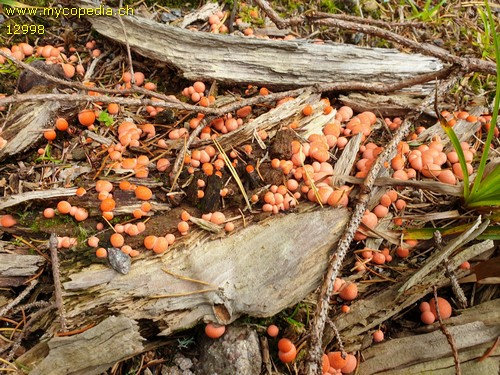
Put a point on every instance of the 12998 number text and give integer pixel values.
(18, 29)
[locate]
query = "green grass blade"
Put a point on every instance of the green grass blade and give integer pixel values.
(461, 157)
(493, 123)
(491, 183)
(490, 233)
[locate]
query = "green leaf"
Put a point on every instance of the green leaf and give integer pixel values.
(105, 118)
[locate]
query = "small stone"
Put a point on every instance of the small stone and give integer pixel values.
(118, 260)
(182, 362)
(167, 17)
(170, 370)
(237, 352)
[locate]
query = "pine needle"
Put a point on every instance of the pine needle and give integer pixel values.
(233, 172)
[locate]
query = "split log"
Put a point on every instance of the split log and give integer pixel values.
(13, 200)
(258, 271)
(238, 60)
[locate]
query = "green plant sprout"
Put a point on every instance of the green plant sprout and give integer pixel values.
(47, 156)
(483, 40)
(105, 118)
(484, 191)
(427, 13)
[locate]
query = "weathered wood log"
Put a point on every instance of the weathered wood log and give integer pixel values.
(13, 200)
(19, 265)
(474, 331)
(24, 125)
(257, 271)
(16, 269)
(91, 352)
(238, 60)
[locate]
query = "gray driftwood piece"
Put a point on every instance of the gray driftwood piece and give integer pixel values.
(93, 351)
(240, 60)
(257, 271)
(19, 265)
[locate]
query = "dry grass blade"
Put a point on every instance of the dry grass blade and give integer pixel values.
(233, 172)
(453, 214)
(185, 278)
(206, 225)
(185, 294)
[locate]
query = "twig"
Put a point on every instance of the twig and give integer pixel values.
(33, 317)
(467, 64)
(369, 21)
(335, 263)
(185, 294)
(81, 86)
(438, 257)
(448, 335)
(185, 278)
(437, 187)
(180, 156)
(57, 280)
(231, 107)
(127, 46)
(490, 350)
(21, 98)
(339, 339)
(19, 298)
(29, 306)
(455, 286)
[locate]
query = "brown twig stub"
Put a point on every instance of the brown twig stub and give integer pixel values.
(448, 335)
(272, 14)
(339, 339)
(457, 289)
(57, 279)
(19, 298)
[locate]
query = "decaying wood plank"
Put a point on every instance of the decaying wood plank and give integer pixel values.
(19, 265)
(282, 115)
(238, 60)
(13, 200)
(463, 129)
(479, 325)
(399, 104)
(25, 124)
(257, 271)
(93, 351)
